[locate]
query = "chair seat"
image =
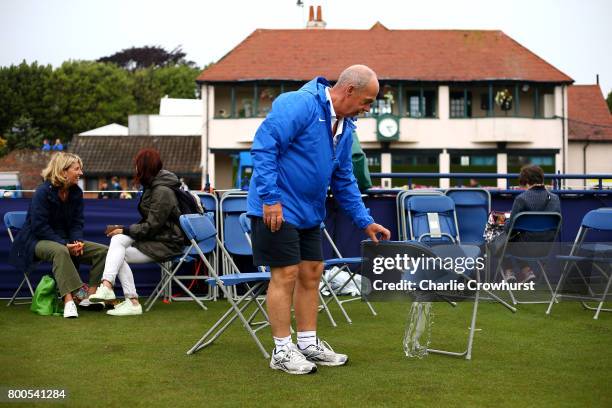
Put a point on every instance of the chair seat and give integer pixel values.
(237, 278)
(342, 261)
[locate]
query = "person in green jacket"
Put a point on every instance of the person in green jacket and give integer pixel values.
(156, 238)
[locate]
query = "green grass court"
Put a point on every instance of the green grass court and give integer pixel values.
(522, 360)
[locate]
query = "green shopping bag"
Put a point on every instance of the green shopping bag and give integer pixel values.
(45, 301)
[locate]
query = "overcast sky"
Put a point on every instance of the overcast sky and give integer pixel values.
(573, 35)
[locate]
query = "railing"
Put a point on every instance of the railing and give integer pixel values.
(556, 178)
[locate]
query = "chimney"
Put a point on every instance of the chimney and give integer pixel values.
(317, 23)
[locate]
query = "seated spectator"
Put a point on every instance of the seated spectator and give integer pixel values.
(46, 146)
(156, 238)
(115, 186)
(53, 231)
(474, 183)
(103, 194)
(58, 145)
(184, 185)
(535, 198)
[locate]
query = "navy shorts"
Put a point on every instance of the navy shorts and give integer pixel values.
(287, 246)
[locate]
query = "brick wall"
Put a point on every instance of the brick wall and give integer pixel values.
(29, 164)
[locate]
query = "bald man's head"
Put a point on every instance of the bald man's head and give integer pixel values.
(358, 76)
(355, 90)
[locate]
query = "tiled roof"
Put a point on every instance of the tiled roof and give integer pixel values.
(589, 117)
(114, 155)
(424, 55)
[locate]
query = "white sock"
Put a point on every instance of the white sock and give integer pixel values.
(281, 341)
(306, 338)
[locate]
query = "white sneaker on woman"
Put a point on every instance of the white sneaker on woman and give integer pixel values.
(70, 310)
(126, 308)
(102, 293)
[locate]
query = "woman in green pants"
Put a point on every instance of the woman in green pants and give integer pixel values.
(53, 230)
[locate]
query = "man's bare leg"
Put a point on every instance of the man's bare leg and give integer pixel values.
(306, 300)
(279, 299)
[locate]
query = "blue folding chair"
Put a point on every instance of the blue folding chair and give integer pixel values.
(13, 221)
(437, 275)
(340, 264)
(597, 255)
(401, 200)
(211, 208)
(433, 221)
(472, 206)
(233, 203)
(198, 229)
(170, 268)
(531, 222)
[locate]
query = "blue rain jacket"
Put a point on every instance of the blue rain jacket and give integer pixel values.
(294, 160)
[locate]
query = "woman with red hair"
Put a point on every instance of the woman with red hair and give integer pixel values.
(156, 238)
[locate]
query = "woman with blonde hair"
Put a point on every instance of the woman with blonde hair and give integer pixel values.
(53, 230)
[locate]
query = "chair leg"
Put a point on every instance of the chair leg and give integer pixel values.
(335, 298)
(329, 315)
(603, 298)
(24, 280)
(555, 295)
(468, 356)
(236, 308)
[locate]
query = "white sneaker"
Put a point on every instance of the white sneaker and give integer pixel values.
(102, 293)
(70, 310)
(289, 359)
(322, 353)
(89, 305)
(126, 308)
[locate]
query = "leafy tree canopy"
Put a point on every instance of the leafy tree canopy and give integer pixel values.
(149, 56)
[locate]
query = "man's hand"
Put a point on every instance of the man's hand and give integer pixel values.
(373, 229)
(76, 248)
(273, 216)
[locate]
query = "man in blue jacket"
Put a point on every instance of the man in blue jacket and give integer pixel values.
(302, 148)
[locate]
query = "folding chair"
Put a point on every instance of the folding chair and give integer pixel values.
(433, 221)
(417, 249)
(198, 229)
(211, 207)
(597, 255)
(400, 204)
(342, 265)
(233, 203)
(534, 222)
(472, 206)
(169, 270)
(13, 221)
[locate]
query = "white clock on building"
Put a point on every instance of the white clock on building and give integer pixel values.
(387, 128)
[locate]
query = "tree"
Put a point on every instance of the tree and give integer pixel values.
(23, 135)
(83, 95)
(22, 90)
(145, 57)
(152, 84)
(609, 100)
